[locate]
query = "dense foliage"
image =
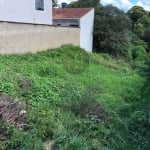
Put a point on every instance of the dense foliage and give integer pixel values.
(111, 30)
(140, 23)
(54, 3)
(74, 103)
(83, 3)
(115, 31)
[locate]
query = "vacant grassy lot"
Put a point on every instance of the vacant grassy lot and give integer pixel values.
(73, 101)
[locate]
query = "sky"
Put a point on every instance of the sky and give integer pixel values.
(122, 4)
(127, 4)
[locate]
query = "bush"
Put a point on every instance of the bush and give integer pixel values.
(75, 59)
(136, 53)
(106, 56)
(86, 104)
(23, 140)
(76, 143)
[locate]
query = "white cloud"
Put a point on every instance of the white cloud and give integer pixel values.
(107, 1)
(122, 4)
(127, 4)
(144, 3)
(147, 2)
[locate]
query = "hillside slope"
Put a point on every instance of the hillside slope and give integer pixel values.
(72, 100)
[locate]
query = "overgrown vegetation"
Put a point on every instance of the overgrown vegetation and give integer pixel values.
(67, 99)
(95, 103)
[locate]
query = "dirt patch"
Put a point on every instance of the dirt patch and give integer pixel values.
(98, 110)
(93, 111)
(24, 85)
(12, 111)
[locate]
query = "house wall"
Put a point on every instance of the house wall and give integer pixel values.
(22, 38)
(86, 33)
(24, 11)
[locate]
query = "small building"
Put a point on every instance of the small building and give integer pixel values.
(26, 11)
(77, 17)
(26, 26)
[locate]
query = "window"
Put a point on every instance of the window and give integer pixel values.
(39, 4)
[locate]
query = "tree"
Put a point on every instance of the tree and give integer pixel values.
(136, 52)
(136, 12)
(111, 30)
(142, 27)
(139, 29)
(144, 20)
(84, 3)
(147, 36)
(54, 2)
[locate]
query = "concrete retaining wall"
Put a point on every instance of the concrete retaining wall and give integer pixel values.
(22, 38)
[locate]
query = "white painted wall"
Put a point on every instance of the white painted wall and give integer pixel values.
(86, 31)
(24, 11)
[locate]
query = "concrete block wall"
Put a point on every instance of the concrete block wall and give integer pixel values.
(23, 38)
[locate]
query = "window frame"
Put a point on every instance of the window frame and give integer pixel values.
(39, 5)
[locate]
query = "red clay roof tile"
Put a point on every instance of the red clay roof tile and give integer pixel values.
(59, 13)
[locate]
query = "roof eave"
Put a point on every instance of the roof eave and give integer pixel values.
(65, 18)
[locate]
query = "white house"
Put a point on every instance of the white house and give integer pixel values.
(77, 17)
(26, 26)
(26, 11)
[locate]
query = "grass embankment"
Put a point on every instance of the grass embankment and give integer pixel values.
(75, 101)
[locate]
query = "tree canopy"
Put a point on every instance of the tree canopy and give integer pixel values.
(136, 12)
(141, 23)
(110, 30)
(116, 31)
(84, 3)
(54, 2)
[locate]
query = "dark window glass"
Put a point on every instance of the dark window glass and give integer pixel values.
(39, 4)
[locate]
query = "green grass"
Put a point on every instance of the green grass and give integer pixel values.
(78, 101)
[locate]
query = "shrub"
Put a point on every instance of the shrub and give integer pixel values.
(75, 59)
(86, 104)
(24, 140)
(136, 53)
(139, 53)
(106, 56)
(140, 42)
(24, 85)
(76, 143)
